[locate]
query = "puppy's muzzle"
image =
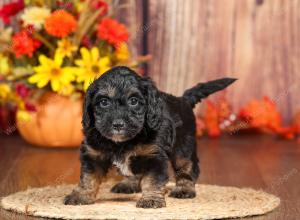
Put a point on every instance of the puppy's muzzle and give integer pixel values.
(118, 125)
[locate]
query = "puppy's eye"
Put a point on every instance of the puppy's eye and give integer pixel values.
(104, 102)
(133, 101)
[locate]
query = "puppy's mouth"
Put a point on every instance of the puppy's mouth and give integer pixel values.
(119, 136)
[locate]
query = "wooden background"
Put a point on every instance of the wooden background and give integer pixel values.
(256, 41)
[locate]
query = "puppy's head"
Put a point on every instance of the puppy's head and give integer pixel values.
(120, 104)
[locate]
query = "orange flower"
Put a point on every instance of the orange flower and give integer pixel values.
(211, 119)
(261, 113)
(200, 127)
(112, 31)
(24, 44)
(60, 23)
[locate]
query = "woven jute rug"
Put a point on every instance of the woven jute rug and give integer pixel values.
(212, 202)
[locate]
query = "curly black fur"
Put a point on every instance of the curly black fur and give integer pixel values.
(129, 123)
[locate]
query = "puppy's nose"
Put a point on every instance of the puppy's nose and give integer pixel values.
(118, 124)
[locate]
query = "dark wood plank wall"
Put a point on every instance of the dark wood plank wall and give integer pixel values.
(130, 12)
(256, 41)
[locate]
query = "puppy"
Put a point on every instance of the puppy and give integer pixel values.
(130, 124)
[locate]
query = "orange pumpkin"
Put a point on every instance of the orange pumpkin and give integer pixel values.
(56, 123)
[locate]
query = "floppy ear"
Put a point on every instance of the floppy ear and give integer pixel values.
(88, 119)
(154, 103)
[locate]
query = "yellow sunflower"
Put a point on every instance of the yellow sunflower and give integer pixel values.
(51, 71)
(4, 92)
(65, 47)
(23, 116)
(90, 66)
(122, 52)
(66, 90)
(4, 65)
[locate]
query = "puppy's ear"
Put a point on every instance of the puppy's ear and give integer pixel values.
(88, 119)
(154, 103)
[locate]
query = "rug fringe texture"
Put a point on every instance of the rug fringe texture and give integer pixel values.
(212, 202)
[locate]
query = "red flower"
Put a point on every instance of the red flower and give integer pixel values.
(86, 42)
(100, 5)
(30, 107)
(65, 5)
(24, 44)
(112, 31)
(22, 90)
(10, 10)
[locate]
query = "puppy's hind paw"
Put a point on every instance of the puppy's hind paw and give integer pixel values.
(76, 199)
(126, 188)
(182, 193)
(151, 203)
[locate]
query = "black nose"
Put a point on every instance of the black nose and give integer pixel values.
(118, 124)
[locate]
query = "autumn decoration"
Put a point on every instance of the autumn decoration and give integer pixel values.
(258, 115)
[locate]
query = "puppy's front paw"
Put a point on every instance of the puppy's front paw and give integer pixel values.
(182, 193)
(151, 202)
(126, 188)
(76, 198)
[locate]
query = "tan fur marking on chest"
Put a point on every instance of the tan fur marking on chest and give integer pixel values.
(123, 167)
(146, 150)
(123, 164)
(93, 153)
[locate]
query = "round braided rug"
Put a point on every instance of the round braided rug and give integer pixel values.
(212, 202)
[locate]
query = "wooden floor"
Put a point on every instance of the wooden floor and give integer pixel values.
(259, 162)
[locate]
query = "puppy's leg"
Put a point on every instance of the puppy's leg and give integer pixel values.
(154, 172)
(86, 191)
(128, 185)
(91, 175)
(151, 163)
(186, 174)
(153, 191)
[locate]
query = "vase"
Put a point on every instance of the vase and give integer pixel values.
(55, 123)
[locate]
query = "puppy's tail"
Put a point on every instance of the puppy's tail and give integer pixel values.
(202, 90)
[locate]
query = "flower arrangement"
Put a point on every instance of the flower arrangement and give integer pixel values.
(58, 46)
(257, 115)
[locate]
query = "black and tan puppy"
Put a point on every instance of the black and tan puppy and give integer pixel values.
(128, 123)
